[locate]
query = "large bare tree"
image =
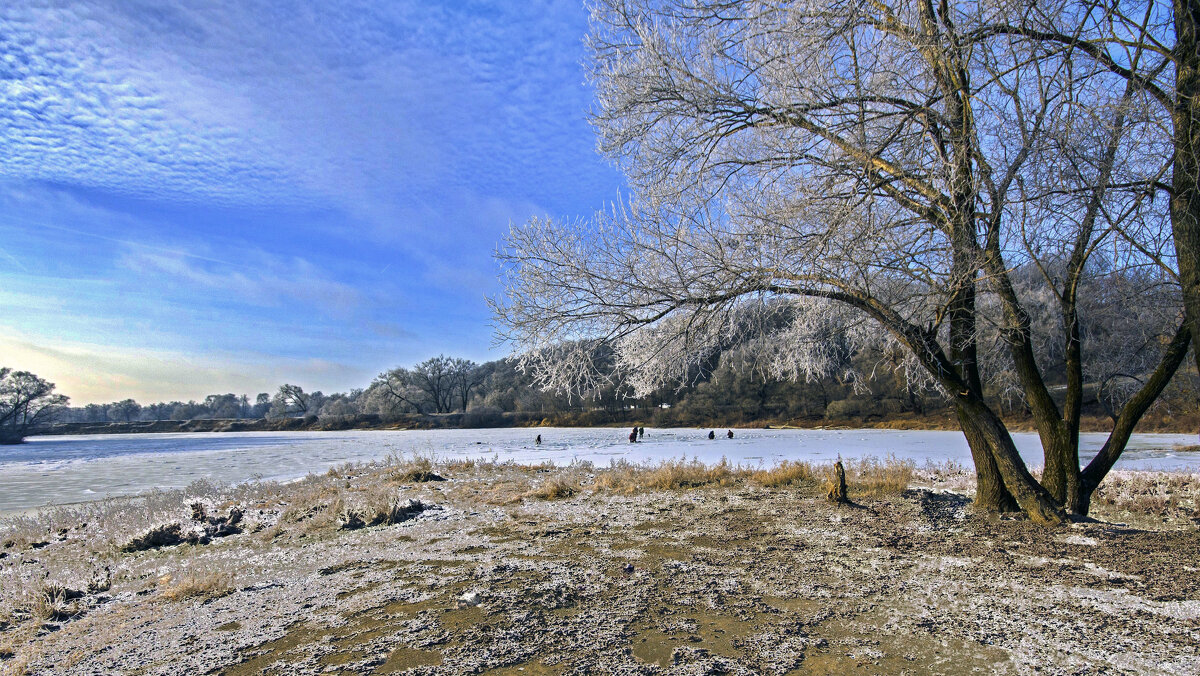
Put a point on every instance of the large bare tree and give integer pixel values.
(1154, 47)
(888, 161)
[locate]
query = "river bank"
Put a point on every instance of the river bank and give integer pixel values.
(1157, 422)
(679, 568)
(71, 469)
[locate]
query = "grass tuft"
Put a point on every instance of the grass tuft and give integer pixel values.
(192, 586)
(876, 478)
(556, 488)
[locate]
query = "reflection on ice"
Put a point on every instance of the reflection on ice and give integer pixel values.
(77, 468)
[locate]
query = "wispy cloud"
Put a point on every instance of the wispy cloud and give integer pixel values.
(266, 281)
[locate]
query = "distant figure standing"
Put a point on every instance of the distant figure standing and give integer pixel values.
(641, 432)
(729, 434)
(538, 441)
(712, 435)
(633, 436)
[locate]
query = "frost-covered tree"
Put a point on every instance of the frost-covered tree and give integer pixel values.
(875, 166)
(25, 402)
(290, 400)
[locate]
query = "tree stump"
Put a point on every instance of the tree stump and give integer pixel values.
(836, 484)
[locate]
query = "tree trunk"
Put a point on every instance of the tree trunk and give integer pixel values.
(1033, 499)
(1185, 202)
(836, 490)
(990, 493)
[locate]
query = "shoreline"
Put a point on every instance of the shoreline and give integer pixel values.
(940, 422)
(65, 470)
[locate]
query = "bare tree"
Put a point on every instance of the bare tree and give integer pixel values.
(26, 401)
(398, 387)
(1155, 50)
(466, 376)
(289, 400)
(862, 160)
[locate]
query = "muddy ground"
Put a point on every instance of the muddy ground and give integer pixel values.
(735, 579)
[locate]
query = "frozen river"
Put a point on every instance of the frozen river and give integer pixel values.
(64, 469)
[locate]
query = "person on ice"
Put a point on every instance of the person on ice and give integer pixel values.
(633, 435)
(730, 434)
(712, 435)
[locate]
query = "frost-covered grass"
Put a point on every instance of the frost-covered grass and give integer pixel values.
(59, 562)
(1164, 494)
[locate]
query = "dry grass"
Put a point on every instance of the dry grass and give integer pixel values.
(464, 465)
(875, 477)
(786, 473)
(417, 470)
(625, 477)
(556, 488)
(191, 586)
(867, 477)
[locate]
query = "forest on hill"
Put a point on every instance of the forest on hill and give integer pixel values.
(729, 387)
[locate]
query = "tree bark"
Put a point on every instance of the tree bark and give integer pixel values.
(990, 493)
(1033, 499)
(1185, 200)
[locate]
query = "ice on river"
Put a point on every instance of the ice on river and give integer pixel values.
(65, 469)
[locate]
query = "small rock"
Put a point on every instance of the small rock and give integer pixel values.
(469, 600)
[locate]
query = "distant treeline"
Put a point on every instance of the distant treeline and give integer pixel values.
(727, 390)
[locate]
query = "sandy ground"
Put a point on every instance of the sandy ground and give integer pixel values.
(713, 580)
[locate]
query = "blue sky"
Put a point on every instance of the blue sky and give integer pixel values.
(205, 196)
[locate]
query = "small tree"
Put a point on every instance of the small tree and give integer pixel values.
(126, 410)
(26, 401)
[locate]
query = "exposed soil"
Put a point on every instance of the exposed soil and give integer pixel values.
(738, 580)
